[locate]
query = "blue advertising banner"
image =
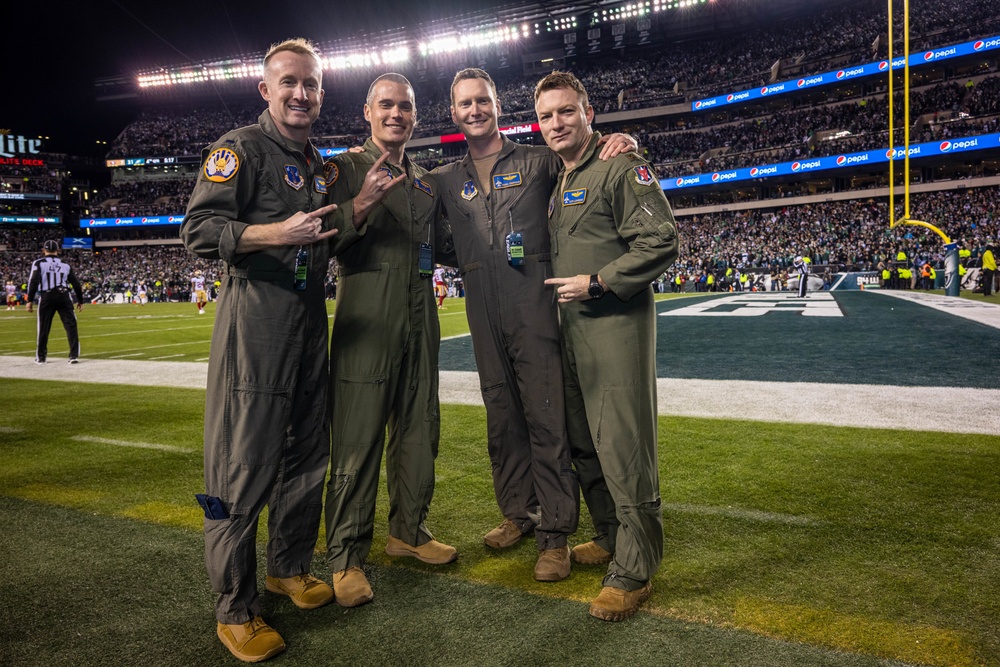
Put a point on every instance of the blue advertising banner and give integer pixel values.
(838, 76)
(78, 243)
(929, 149)
(138, 221)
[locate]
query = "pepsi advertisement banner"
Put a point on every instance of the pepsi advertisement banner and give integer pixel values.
(858, 71)
(930, 149)
(137, 221)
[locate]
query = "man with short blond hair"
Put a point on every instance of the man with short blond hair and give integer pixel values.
(258, 205)
(494, 200)
(612, 234)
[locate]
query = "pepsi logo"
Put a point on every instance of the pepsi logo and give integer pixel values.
(796, 166)
(978, 46)
(754, 172)
(891, 153)
(883, 66)
(945, 146)
(763, 91)
(715, 177)
(801, 82)
(929, 55)
(170, 218)
(841, 160)
(840, 74)
(144, 220)
(697, 105)
(680, 182)
(729, 97)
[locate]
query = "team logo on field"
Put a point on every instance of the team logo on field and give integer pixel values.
(501, 181)
(469, 190)
(221, 165)
(574, 197)
(293, 177)
(643, 175)
(320, 183)
(423, 187)
(330, 172)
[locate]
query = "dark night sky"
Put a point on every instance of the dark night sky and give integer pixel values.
(53, 51)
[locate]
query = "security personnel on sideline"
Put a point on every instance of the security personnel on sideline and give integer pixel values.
(258, 206)
(53, 278)
(989, 270)
(612, 233)
(384, 353)
(495, 200)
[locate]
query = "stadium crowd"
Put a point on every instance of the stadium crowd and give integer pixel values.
(851, 234)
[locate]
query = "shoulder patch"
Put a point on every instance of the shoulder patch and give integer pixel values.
(221, 165)
(320, 184)
(330, 172)
(644, 175)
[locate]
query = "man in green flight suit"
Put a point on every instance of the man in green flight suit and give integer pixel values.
(384, 348)
(258, 206)
(612, 234)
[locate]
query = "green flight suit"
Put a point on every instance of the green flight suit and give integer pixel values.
(612, 219)
(266, 409)
(383, 361)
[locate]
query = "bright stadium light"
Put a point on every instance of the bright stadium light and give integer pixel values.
(460, 41)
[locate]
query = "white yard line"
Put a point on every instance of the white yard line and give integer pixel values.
(758, 516)
(977, 311)
(129, 443)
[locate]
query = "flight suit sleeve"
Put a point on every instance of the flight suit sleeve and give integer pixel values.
(646, 223)
(211, 228)
(342, 186)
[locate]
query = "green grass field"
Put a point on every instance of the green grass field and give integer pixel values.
(786, 544)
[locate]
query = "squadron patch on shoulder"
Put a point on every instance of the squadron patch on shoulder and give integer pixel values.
(423, 187)
(221, 165)
(501, 181)
(293, 177)
(330, 172)
(319, 183)
(469, 190)
(644, 175)
(574, 197)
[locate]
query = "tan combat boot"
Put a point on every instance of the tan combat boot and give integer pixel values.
(251, 642)
(351, 587)
(507, 534)
(305, 590)
(591, 553)
(552, 564)
(616, 604)
(432, 552)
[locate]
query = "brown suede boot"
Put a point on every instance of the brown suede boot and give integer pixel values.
(351, 587)
(507, 534)
(432, 552)
(552, 564)
(616, 604)
(591, 553)
(305, 590)
(251, 642)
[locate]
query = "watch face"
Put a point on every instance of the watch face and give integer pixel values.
(595, 291)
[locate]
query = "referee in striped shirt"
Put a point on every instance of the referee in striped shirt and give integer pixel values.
(53, 278)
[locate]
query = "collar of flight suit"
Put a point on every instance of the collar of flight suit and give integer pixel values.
(271, 132)
(590, 152)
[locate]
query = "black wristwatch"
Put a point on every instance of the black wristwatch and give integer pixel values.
(595, 291)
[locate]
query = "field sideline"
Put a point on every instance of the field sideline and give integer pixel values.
(808, 523)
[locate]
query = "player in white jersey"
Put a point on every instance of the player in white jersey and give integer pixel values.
(440, 287)
(11, 290)
(198, 289)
